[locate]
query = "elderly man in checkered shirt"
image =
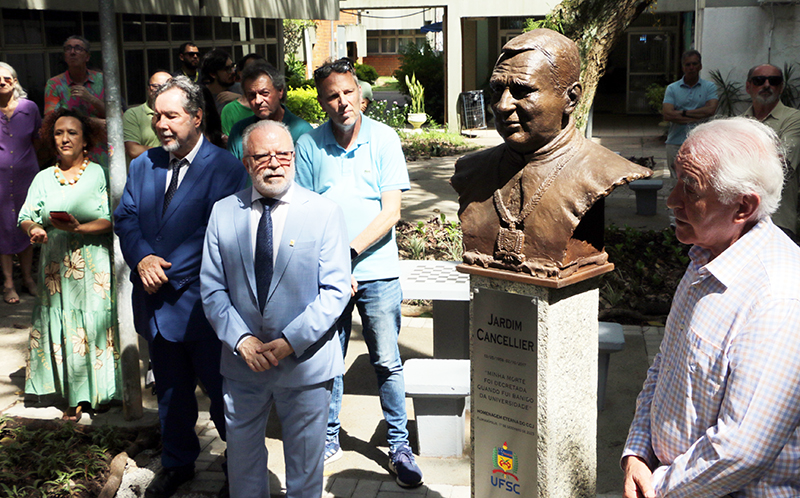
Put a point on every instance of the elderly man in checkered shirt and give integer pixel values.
(719, 412)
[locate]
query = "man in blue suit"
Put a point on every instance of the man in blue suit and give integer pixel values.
(161, 223)
(275, 278)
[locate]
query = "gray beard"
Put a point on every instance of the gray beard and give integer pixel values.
(768, 100)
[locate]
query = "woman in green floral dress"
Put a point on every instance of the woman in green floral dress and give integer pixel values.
(74, 337)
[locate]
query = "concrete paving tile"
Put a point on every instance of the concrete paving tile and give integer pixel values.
(439, 491)
(342, 487)
(367, 489)
(461, 492)
(392, 486)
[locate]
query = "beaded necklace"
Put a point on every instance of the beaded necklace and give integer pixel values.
(63, 180)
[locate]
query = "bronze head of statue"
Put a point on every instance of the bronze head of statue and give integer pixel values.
(526, 205)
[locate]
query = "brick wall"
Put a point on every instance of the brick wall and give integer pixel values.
(322, 49)
(384, 64)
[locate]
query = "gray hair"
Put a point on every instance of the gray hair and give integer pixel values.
(192, 93)
(691, 53)
(263, 123)
(257, 69)
(19, 92)
(82, 40)
(742, 156)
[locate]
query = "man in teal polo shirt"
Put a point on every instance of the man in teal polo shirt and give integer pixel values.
(137, 122)
(264, 88)
(358, 163)
(688, 102)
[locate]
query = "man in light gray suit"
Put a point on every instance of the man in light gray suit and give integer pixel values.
(274, 280)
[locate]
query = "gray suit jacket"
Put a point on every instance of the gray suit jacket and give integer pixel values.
(310, 288)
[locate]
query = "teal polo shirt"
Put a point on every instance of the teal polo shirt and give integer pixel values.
(355, 179)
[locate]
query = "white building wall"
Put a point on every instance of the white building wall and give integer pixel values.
(399, 18)
(734, 39)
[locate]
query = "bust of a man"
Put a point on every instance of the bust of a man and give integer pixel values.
(526, 205)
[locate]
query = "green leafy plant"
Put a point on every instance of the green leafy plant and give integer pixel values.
(429, 69)
(390, 114)
(303, 103)
(730, 93)
(791, 90)
(417, 93)
(655, 96)
(56, 460)
(367, 73)
(416, 245)
(433, 143)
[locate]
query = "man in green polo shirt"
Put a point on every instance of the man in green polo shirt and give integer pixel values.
(137, 127)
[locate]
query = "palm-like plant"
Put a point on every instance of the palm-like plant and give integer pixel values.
(417, 93)
(729, 93)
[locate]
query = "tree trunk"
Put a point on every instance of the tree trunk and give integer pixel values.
(596, 26)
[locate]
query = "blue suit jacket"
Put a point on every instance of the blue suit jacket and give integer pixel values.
(175, 310)
(310, 288)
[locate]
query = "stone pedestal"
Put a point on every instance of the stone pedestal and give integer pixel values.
(534, 388)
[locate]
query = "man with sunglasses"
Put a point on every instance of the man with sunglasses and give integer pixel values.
(358, 163)
(764, 85)
(687, 102)
(189, 55)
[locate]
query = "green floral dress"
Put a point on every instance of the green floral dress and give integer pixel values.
(74, 337)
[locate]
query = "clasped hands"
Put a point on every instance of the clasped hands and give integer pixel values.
(151, 272)
(261, 356)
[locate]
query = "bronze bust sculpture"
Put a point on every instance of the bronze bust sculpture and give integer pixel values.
(526, 205)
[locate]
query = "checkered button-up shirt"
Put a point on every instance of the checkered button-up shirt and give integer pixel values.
(720, 409)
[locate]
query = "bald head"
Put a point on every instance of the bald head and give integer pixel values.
(156, 80)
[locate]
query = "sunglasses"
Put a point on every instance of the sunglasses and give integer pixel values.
(341, 66)
(773, 80)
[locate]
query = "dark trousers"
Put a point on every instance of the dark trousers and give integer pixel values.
(177, 366)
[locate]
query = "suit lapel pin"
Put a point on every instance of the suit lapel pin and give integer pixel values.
(291, 242)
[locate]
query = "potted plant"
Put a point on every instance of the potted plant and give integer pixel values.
(417, 115)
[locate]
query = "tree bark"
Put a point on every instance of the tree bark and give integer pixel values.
(596, 26)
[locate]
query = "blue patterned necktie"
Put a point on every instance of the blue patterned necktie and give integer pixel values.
(175, 166)
(264, 252)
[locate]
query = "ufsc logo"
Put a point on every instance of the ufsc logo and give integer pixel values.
(505, 467)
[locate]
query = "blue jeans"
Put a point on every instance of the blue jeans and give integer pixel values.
(378, 303)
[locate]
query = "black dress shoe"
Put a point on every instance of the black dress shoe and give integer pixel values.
(168, 480)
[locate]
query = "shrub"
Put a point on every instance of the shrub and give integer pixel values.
(432, 143)
(296, 73)
(303, 103)
(367, 73)
(429, 68)
(390, 114)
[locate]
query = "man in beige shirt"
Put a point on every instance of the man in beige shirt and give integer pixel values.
(765, 84)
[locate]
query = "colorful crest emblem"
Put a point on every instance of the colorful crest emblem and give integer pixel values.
(505, 461)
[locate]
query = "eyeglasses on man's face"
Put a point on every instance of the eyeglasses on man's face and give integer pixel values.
(191, 54)
(773, 80)
(74, 48)
(283, 158)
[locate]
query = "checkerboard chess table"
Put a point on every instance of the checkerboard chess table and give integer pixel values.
(439, 282)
